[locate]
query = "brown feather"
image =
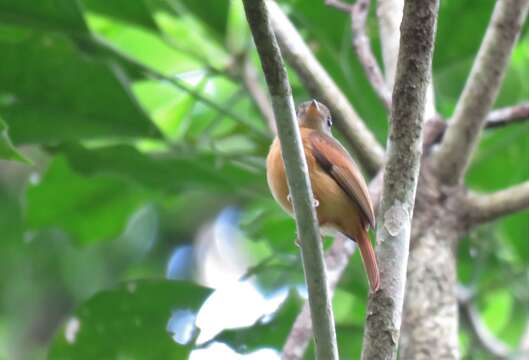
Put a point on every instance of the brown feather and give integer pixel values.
(337, 185)
(333, 159)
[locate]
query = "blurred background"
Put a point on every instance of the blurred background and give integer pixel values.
(135, 220)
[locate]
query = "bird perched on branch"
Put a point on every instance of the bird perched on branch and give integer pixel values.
(341, 196)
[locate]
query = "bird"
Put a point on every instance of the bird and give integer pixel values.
(340, 191)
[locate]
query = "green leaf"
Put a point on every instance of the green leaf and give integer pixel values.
(129, 322)
(63, 15)
(170, 173)
(499, 305)
(89, 209)
(54, 94)
(135, 12)
(7, 150)
(213, 13)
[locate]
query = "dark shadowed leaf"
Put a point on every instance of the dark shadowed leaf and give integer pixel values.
(135, 12)
(62, 15)
(160, 173)
(52, 93)
(128, 322)
(89, 209)
(213, 13)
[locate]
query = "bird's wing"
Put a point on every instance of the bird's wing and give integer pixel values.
(336, 162)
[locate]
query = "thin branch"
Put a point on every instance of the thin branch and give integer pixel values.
(365, 54)
(489, 207)
(336, 260)
(435, 127)
(298, 178)
(384, 308)
(257, 93)
(389, 14)
(508, 115)
(480, 331)
(480, 90)
(242, 70)
(316, 79)
(178, 83)
(340, 5)
(492, 344)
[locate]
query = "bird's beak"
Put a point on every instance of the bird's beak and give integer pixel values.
(314, 109)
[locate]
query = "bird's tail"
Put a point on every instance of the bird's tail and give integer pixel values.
(369, 259)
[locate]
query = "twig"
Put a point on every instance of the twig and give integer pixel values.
(508, 115)
(483, 334)
(401, 176)
(489, 342)
(365, 54)
(389, 14)
(298, 179)
(336, 260)
(481, 88)
(435, 127)
(367, 149)
(175, 81)
(340, 5)
(488, 207)
(251, 83)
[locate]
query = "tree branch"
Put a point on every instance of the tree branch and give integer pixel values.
(367, 149)
(479, 94)
(507, 115)
(362, 45)
(481, 332)
(251, 83)
(389, 13)
(401, 176)
(492, 344)
(298, 178)
(340, 5)
(178, 83)
(336, 260)
(489, 207)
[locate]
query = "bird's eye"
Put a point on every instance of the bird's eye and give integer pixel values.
(329, 121)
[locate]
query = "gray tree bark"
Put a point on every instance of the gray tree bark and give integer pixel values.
(401, 173)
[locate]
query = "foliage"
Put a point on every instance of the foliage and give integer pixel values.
(139, 133)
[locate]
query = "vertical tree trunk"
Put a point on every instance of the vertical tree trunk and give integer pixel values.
(430, 315)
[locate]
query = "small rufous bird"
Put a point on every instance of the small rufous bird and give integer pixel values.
(341, 197)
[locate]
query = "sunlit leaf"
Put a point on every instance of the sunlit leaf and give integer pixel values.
(7, 150)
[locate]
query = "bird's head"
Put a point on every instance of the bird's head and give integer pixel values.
(314, 115)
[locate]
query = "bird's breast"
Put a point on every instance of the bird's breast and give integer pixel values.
(334, 208)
